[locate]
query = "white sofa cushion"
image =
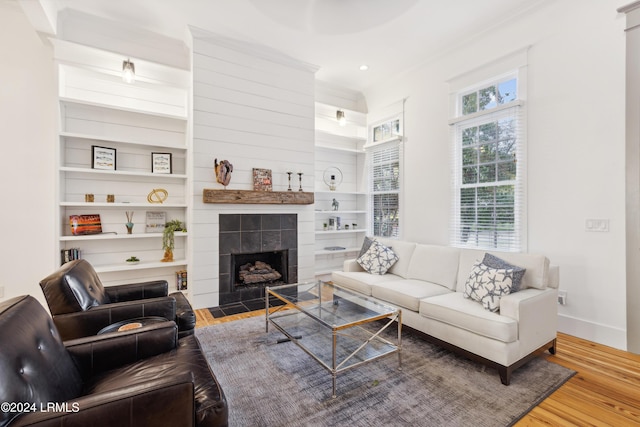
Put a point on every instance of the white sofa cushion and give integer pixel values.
(406, 293)
(404, 250)
(536, 276)
(436, 264)
(360, 281)
(456, 310)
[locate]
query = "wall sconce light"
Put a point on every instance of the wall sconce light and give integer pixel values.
(128, 71)
(342, 120)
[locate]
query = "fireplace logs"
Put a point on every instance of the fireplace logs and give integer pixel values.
(257, 273)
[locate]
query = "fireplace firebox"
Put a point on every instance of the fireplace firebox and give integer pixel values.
(266, 244)
(259, 269)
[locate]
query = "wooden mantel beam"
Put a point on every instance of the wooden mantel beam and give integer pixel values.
(257, 197)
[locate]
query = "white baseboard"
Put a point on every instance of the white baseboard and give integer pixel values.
(205, 300)
(601, 334)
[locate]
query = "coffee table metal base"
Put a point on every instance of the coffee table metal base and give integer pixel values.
(338, 330)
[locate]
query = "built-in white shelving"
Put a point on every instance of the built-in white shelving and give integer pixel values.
(108, 268)
(107, 236)
(103, 138)
(342, 148)
(124, 173)
(117, 205)
(151, 116)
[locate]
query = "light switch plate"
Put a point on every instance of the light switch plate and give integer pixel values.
(597, 225)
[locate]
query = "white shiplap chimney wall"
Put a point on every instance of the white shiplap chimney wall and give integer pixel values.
(255, 108)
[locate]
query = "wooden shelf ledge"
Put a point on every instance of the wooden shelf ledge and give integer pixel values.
(257, 197)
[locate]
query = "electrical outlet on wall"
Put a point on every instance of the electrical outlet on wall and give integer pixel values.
(562, 297)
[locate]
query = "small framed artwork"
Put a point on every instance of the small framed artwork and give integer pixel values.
(85, 224)
(155, 222)
(103, 158)
(262, 180)
(161, 163)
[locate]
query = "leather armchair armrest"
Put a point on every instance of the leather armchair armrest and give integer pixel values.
(85, 323)
(96, 354)
(167, 401)
(137, 291)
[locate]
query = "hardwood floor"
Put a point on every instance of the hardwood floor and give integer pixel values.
(604, 392)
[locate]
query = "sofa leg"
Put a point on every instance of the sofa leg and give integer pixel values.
(552, 349)
(505, 375)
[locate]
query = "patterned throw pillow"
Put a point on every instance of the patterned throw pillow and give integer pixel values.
(518, 272)
(378, 258)
(366, 244)
(487, 285)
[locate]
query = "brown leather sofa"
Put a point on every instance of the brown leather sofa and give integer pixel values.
(138, 378)
(82, 306)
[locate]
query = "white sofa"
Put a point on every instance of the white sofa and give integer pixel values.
(427, 283)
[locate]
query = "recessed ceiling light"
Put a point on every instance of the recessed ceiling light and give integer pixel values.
(364, 67)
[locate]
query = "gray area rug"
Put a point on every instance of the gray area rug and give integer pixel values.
(271, 384)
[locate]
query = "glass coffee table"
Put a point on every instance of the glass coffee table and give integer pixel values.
(333, 325)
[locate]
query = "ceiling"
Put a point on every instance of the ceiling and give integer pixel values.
(336, 35)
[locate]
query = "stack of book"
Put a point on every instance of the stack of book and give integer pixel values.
(181, 280)
(67, 255)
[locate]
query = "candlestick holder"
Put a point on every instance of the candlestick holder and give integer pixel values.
(300, 179)
(289, 173)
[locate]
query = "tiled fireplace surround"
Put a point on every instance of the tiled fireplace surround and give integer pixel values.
(251, 234)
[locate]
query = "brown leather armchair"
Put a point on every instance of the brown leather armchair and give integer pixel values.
(82, 306)
(138, 378)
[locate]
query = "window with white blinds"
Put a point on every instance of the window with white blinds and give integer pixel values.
(384, 179)
(489, 168)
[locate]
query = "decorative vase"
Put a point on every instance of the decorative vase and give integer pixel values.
(168, 256)
(129, 227)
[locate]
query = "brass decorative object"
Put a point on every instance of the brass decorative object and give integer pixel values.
(111, 198)
(157, 195)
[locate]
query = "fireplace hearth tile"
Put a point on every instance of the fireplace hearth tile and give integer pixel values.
(229, 222)
(289, 238)
(289, 222)
(250, 222)
(225, 264)
(271, 241)
(254, 304)
(224, 283)
(229, 243)
(250, 241)
(234, 309)
(216, 312)
(271, 222)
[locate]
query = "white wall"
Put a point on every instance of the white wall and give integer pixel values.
(27, 126)
(575, 150)
(255, 108)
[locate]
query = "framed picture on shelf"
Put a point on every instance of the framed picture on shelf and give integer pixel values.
(161, 163)
(155, 222)
(103, 158)
(85, 224)
(262, 180)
